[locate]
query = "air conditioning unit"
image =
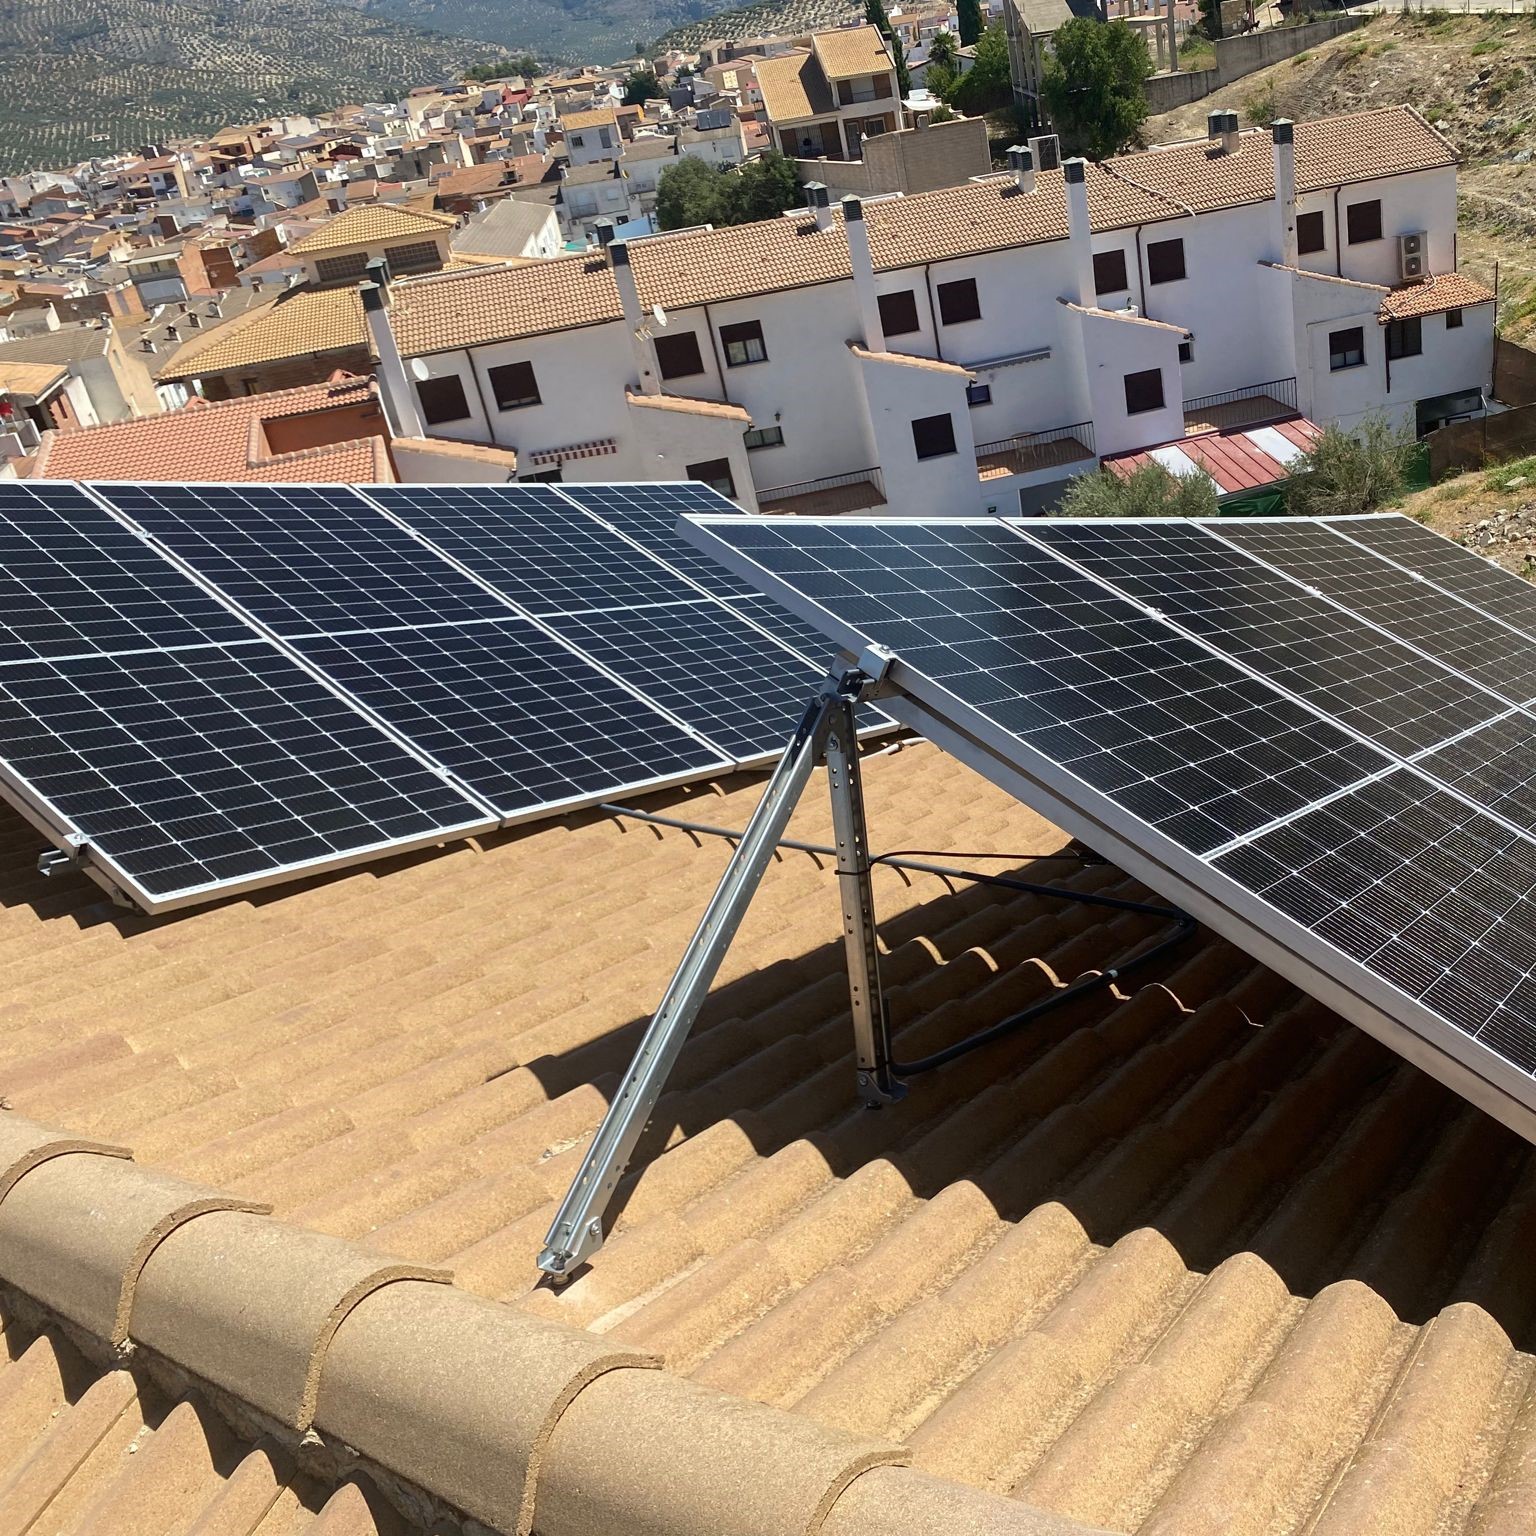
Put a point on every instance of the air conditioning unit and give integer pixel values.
(1413, 257)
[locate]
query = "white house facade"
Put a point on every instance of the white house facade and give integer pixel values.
(972, 348)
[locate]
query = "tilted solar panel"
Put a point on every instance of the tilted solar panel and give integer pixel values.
(1350, 809)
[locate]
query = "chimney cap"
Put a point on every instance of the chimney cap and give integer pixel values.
(618, 253)
(853, 208)
(1074, 171)
(1020, 158)
(1215, 121)
(816, 195)
(373, 297)
(1283, 130)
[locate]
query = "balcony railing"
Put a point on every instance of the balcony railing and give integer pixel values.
(872, 477)
(1029, 451)
(1242, 407)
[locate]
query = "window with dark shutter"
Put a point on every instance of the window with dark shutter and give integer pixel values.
(1165, 261)
(1363, 220)
(1144, 391)
(958, 302)
(898, 313)
(933, 436)
(1405, 338)
(1109, 272)
(1453, 319)
(678, 356)
(513, 386)
(1311, 235)
(764, 437)
(743, 344)
(442, 400)
(715, 473)
(1346, 349)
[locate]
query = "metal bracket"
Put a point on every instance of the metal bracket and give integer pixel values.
(59, 861)
(827, 730)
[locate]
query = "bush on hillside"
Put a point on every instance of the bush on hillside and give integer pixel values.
(1150, 491)
(1348, 472)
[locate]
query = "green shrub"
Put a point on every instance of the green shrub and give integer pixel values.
(1148, 492)
(1345, 473)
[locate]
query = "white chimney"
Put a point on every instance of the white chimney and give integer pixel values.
(399, 397)
(817, 200)
(863, 267)
(634, 317)
(1080, 230)
(1284, 134)
(1021, 162)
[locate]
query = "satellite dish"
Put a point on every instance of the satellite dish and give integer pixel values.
(419, 369)
(659, 315)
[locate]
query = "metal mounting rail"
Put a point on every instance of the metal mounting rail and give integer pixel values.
(828, 731)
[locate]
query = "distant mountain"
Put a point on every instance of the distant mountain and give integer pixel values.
(89, 77)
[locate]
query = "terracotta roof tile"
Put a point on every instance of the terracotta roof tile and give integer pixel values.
(597, 118)
(793, 87)
(688, 407)
(1447, 290)
(32, 379)
(372, 224)
(906, 360)
(223, 439)
(851, 51)
(295, 324)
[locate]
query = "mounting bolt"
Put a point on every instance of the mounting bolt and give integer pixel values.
(595, 1227)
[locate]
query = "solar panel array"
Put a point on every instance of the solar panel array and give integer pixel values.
(1322, 734)
(206, 687)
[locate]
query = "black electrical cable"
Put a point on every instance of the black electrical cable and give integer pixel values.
(905, 859)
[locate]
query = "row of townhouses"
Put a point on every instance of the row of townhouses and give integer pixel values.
(971, 348)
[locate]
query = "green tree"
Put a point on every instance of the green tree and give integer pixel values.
(1348, 472)
(988, 83)
(690, 193)
(526, 65)
(642, 86)
(941, 51)
(1147, 492)
(971, 23)
(762, 189)
(1093, 86)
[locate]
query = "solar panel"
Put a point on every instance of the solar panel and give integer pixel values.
(523, 720)
(73, 582)
(202, 769)
(304, 559)
(1397, 892)
(1348, 669)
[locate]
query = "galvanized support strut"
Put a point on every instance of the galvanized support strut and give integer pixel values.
(826, 730)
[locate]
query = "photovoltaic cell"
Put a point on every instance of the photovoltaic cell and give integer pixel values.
(1494, 765)
(1179, 738)
(1423, 889)
(212, 764)
(529, 543)
(305, 560)
(1354, 673)
(704, 665)
(519, 717)
(74, 582)
(1465, 638)
(1465, 575)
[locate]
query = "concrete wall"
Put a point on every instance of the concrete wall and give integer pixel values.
(1240, 56)
(909, 160)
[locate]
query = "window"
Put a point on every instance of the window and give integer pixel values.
(1186, 351)
(1310, 234)
(513, 386)
(978, 394)
(1144, 391)
(442, 399)
(1109, 272)
(1453, 319)
(342, 269)
(575, 141)
(743, 344)
(933, 436)
(678, 356)
(898, 313)
(546, 476)
(715, 473)
(418, 256)
(764, 437)
(1405, 338)
(1364, 222)
(958, 302)
(1346, 349)
(1165, 261)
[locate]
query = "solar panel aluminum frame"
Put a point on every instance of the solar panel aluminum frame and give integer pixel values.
(1340, 982)
(496, 820)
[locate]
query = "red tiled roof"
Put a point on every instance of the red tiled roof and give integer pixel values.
(1241, 459)
(1448, 290)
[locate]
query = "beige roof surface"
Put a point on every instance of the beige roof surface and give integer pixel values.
(372, 224)
(851, 51)
(295, 324)
(1446, 290)
(706, 266)
(593, 119)
(31, 379)
(1197, 1261)
(793, 87)
(684, 405)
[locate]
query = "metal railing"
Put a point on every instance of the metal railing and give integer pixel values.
(1082, 431)
(871, 476)
(1282, 391)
